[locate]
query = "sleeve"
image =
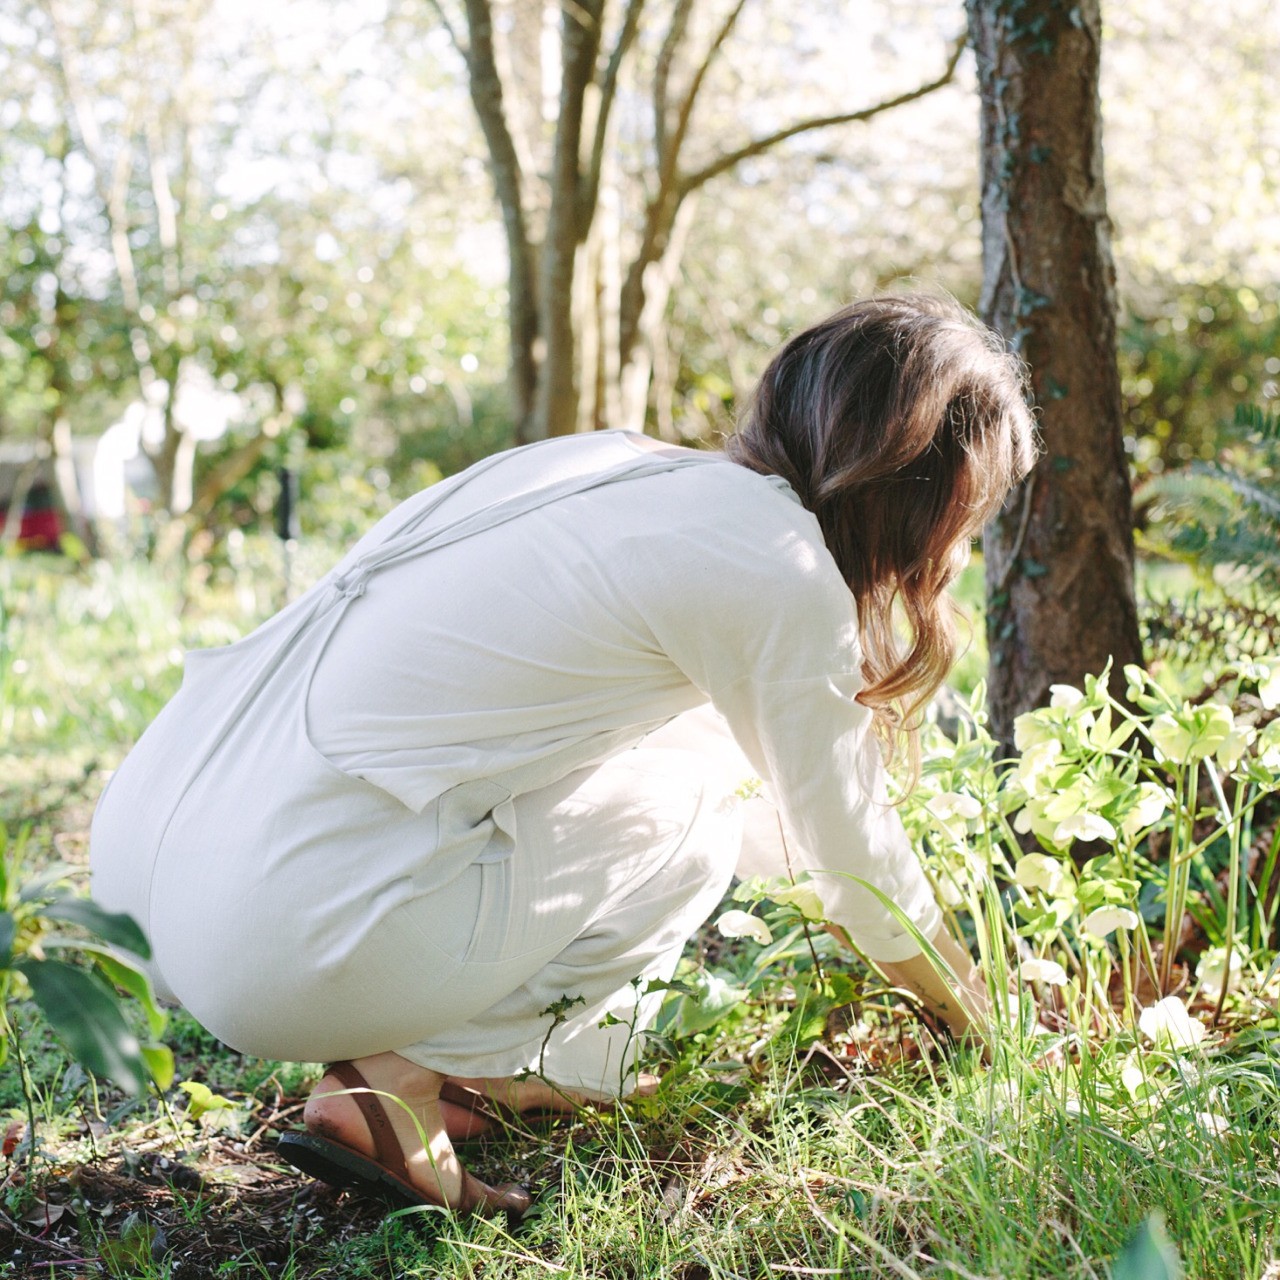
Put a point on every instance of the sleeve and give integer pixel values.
(767, 629)
(812, 742)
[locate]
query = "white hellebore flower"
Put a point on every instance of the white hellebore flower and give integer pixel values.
(1035, 760)
(1195, 732)
(804, 897)
(742, 924)
(1269, 688)
(1039, 871)
(950, 890)
(1049, 971)
(1269, 747)
(1106, 920)
(949, 804)
(1169, 1024)
(1237, 742)
(1065, 696)
(1083, 826)
(1150, 807)
(1215, 969)
(1133, 1078)
(952, 811)
(1213, 1124)
(1029, 729)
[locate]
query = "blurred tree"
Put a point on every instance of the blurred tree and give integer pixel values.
(585, 317)
(1059, 559)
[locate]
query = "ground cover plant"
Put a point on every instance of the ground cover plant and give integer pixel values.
(1118, 877)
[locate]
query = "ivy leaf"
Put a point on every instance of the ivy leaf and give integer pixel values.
(87, 1017)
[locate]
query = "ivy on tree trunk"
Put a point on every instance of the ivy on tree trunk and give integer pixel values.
(1059, 558)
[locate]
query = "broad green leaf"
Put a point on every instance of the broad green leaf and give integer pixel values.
(115, 927)
(808, 1021)
(36, 889)
(135, 982)
(87, 1017)
(716, 999)
(203, 1099)
(8, 932)
(159, 1060)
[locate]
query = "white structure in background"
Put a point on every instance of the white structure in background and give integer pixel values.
(116, 463)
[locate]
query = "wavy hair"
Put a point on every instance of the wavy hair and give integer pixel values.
(902, 424)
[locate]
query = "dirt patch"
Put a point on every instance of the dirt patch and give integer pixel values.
(190, 1217)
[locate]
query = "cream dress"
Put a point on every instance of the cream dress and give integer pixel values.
(471, 792)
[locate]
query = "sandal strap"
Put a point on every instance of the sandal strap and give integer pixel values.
(387, 1149)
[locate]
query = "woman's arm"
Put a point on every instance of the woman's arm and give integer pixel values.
(965, 1009)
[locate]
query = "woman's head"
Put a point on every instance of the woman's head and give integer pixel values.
(902, 423)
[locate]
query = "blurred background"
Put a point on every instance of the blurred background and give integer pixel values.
(267, 269)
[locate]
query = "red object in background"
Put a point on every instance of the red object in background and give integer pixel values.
(41, 528)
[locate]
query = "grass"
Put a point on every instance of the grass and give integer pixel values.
(870, 1151)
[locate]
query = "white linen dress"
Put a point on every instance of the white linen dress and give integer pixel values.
(432, 807)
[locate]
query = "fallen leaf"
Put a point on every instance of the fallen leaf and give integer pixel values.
(44, 1215)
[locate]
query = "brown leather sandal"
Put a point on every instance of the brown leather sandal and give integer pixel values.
(482, 1107)
(386, 1174)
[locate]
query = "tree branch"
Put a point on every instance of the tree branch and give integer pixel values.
(662, 72)
(692, 181)
(485, 86)
(450, 29)
(608, 92)
(685, 114)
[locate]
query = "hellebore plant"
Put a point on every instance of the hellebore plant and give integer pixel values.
(1152, 784)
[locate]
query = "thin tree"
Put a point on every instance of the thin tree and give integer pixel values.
(551, 206)
(1059, 559)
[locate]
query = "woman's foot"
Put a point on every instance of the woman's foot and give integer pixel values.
(465, 1097)
(410, 1103)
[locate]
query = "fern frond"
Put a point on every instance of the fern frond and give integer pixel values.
(1252, 417)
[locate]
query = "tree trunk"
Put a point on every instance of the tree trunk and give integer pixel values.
(556, 402)
(1060, 592)
(485, 86)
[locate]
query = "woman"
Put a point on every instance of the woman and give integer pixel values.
(426, 825)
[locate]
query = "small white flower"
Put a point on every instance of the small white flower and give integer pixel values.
(1106, 920)
(950, 890)
(1065, 696)
(1168, 1024)
(1269, 747)
(804, 897)
(1083, 826)
(1150, 807)
(1269, 687)
(1213, 1124)
(1039, 871)
(1237, 742)
(949, 804)
(1133, 1078)
(1035, 761)
(1215, 969)
(1195, 732)
(1029, 729)
(742, 924)
(1047, 971)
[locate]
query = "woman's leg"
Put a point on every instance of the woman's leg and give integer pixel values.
(617, 866)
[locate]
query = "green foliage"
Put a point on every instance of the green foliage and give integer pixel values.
(1221, 518)
(79, 1001)
(1187, 359)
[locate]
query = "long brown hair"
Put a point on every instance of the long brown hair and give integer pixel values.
(902, 423)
